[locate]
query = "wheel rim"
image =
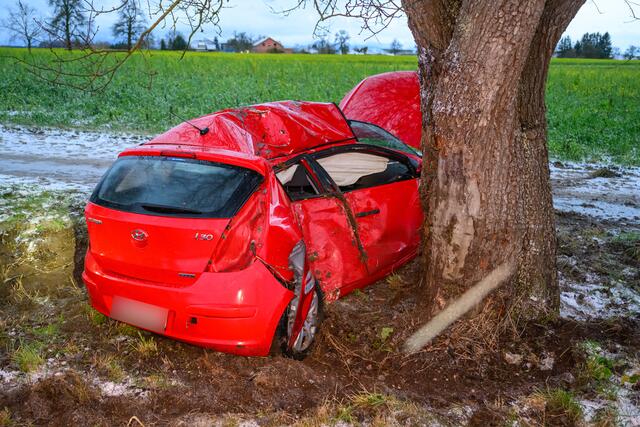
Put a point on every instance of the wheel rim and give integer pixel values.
(309, 327)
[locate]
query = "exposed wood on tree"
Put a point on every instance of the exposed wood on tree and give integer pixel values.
(459, 307)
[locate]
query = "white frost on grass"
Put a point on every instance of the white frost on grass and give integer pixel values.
(55, 368)
(56, 159)
(575, 190)
(625, 405)
(592, 299)
(8, 376)
(65, 144)
(112, 389)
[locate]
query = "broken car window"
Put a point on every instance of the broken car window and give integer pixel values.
(356, 170)
(297, 183)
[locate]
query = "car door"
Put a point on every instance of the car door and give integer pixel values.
(381, 188)
(333, 248)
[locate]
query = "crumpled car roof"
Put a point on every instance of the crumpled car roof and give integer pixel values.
(269, 130)
(389, 100)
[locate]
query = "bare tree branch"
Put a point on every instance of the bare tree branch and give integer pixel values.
(632, 5)
(375, 15)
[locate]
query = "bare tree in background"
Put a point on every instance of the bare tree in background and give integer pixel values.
(395, 47)
(486, 190)
(130, 24)
(23, 25)
(632, 52)
(241, 42)
(362, 49)
(342, 42)
(67, 22)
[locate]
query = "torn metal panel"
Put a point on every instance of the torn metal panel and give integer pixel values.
(331, 244)
(267, 130)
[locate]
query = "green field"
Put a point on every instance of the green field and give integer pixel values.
(593, 105)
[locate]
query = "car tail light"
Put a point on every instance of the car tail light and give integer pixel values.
(239, 243)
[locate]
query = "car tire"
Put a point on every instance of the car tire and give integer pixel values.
(281, 337)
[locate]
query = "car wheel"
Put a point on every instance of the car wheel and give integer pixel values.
(303, 344)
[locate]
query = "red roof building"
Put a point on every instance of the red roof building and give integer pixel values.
(270, 45)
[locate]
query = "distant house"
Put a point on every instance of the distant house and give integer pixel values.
(270, 45)
(204, 45)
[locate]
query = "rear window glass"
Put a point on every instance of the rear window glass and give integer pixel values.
(368, 133)
(171, 186)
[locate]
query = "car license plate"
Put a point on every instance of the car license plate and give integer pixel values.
(139, 314)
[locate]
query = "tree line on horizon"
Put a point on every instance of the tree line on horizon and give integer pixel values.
(69, 27)
(593, 46)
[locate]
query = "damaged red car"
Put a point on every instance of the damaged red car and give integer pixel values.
(231, 230)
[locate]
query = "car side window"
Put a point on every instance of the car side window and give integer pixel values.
(368, 133)
(297, 183)
(354, 170)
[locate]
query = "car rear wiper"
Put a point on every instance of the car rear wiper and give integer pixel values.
(170, 209)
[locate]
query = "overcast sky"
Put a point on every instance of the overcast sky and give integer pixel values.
(256, 17)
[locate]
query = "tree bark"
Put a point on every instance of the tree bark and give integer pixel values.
(483, 67)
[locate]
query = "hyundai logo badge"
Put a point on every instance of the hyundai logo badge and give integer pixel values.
(139, 235)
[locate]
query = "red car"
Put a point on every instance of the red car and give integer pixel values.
(230, 230)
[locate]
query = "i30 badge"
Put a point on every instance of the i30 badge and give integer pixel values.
(139, 235)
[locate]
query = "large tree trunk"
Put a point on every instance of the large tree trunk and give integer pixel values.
(483, 67)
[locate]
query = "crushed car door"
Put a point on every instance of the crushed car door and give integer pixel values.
(381, 187)
(333, 247)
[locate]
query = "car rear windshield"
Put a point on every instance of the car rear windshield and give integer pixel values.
(172, 186)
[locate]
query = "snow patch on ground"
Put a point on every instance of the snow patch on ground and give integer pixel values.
(592, 299)
(8, 376)
(56, 159)
(575, 189)
(55, 368)
(113, 389)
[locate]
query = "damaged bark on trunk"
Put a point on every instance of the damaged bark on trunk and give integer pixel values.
(483, 67)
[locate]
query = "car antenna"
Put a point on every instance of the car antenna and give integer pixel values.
(203, 131)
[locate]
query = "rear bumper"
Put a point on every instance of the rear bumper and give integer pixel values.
(234, 312)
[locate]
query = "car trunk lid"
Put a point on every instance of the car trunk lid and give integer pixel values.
(158, 219)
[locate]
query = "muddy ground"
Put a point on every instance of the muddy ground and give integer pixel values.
(61, 363)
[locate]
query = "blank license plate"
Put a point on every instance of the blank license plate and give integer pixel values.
(139, 314)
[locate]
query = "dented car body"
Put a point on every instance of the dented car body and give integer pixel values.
(230, 231)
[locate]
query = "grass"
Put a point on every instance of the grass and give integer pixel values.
(607, 417)
(561, 405)
(145, 346)
(28, 357)
(593, 105)
(395, 280)
(629, 243)
(594, 110)
(107, 365)
(5, 417)
(597, 371)
(21, 295)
